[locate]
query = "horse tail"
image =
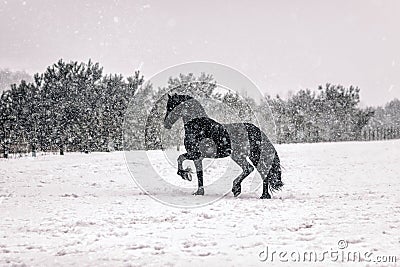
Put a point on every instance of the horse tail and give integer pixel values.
(264, 157)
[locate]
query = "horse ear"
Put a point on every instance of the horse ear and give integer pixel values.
(169, 96)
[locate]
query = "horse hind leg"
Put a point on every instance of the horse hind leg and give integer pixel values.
(264, 172)
(264, 175)
(247, 169)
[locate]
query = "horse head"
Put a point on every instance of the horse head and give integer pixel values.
(174, 109)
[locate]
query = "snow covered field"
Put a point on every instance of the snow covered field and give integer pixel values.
(86, 210)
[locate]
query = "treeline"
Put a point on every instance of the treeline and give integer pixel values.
(333, 113)
(8, 77)
(71, 106)
(330, 114)
(387, 116)
(76, 107)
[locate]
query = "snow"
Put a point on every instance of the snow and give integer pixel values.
(85, 209)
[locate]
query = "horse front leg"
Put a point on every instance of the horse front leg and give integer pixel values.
(185, 174)
(198, 163)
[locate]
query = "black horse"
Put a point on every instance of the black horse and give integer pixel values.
(206, 138)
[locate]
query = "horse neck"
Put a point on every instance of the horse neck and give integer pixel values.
(192, 109)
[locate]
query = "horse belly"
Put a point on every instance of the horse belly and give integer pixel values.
(239, 138)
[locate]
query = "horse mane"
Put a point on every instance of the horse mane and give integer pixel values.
(194, 106)
(183, 98)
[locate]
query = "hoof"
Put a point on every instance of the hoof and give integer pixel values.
(265, 196)
(199, 192)
(236, 189)
(185, 174)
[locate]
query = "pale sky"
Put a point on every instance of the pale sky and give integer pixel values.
(281, 45)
